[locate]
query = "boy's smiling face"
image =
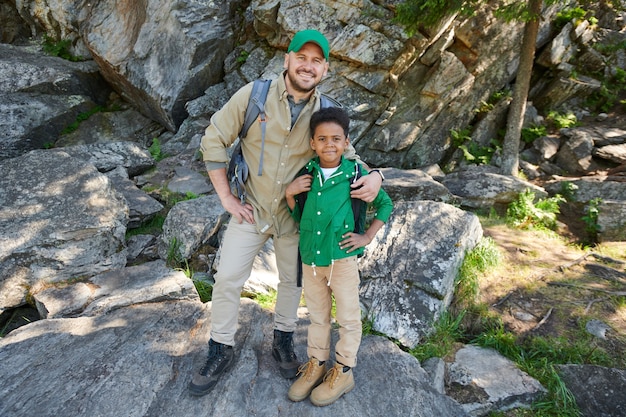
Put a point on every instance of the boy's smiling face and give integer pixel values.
(329, 142)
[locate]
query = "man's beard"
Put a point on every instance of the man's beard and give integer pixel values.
(295, 84)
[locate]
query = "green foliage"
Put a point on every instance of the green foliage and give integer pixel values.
(529, 134)
(243, 57)
(155, 150)
(568, 190)
(472, 152)
(60, 48)
(525, 213)
(591, 216)
(478, 155)
(562, 120)
(565, 16)
(459, 137)
(610, 90)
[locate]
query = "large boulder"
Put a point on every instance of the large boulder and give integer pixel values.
(60, 219)
(408, 271)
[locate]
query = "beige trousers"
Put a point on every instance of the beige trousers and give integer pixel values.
(343, 277)
(240, 245)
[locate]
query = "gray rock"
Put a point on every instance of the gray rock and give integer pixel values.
(189, 181)
(138, 245)
(613, 153)
(408, 271)
(598, 390)
(483, 381)
(169, 59)
(110, 155)
(138, 360)
(612, 220)
(59, 219)
(574, 155)
(113, 126)
(189, 225)
(588, 188)
(480, 187)
(34, 121)
(414, 184)
(142, 208)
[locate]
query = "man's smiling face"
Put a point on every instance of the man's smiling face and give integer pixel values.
(305, 68)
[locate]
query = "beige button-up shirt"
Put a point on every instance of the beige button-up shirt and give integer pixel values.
(286, 150)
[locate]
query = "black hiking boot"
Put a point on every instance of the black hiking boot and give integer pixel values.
(219, 360)
(282, 351)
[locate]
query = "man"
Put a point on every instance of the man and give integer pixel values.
(291, 100)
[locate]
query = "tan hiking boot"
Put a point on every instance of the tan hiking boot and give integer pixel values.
(311, 374)
(336, 383)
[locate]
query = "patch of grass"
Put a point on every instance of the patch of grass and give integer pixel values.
(446, 332)
(483, 256)
(243, 57)
(205, 290)
(266, 300)
(174, 257)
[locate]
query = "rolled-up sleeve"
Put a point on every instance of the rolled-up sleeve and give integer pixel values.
(224, 129)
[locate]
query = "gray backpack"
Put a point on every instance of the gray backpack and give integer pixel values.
(238, 168)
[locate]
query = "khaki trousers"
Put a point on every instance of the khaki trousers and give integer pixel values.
(240, 245)
(344, 280)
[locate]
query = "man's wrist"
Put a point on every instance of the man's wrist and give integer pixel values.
(382, 177)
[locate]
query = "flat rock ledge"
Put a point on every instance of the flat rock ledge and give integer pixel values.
(137, 361)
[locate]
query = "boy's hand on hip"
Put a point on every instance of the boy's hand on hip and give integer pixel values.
(353, 241)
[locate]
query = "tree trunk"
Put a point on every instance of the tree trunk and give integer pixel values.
(515, 119)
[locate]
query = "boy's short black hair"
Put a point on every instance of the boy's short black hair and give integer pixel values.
(330, 114)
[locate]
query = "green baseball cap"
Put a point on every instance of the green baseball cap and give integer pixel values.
(306, 36)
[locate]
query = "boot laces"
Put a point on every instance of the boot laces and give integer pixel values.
(332, 376)
(307, 370)
(213, 359)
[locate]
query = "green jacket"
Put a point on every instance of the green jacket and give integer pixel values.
(327, 213)
(287, 149)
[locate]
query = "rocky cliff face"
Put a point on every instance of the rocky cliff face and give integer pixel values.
(405, 94)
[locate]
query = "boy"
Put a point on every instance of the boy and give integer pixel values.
(329, 247)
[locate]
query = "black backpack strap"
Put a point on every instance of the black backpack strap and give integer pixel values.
(359, 207)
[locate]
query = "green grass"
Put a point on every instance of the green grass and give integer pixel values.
(205, 290)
